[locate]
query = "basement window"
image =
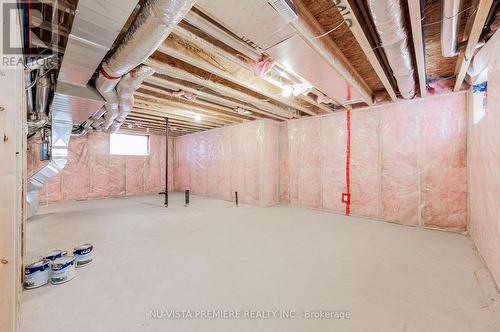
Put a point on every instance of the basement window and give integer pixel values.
(129, 145)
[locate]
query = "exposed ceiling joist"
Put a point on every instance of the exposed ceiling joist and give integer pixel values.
(235, 61)
(357, 30)
(208, 27)
(179, 50)
(147, 116)
(181, 113)
(224, 113)
(418, 43)
(208, 96)
(478, 19)
(172, 113)
(308, 28)
(190, 108)
(167, 69)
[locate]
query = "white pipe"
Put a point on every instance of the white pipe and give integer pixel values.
(153, 24)
(449, 27)
(388, 19)
(128, 84)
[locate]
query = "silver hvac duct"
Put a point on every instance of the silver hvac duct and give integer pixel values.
(449, 26)
(153, 24)
(95, 27)
(488, 56)
(388, 19)
(126, 88)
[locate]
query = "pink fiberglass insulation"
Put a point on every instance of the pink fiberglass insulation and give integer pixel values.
(407, 162)
(75, 175)
(92, 172)
(98, 162)
(134, 170)
(366, 180)
(443, 163)
(333, 151)
(240, 158)
(484, 186)
(305, 162)
(400, 181)
(284, 193)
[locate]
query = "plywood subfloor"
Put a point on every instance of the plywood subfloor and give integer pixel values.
(214, 256)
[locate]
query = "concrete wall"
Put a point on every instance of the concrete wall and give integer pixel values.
(242, 158)
(484, 174)
(93, 173)
(408, 162)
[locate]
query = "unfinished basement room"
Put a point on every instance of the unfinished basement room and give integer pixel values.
(250, 166)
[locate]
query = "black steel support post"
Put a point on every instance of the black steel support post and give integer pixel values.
(166, 163)
(236, 197)
(186, 198)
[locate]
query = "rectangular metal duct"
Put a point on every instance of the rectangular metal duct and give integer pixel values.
(96, 25)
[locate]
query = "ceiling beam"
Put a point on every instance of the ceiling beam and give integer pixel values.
(164, 112)
(169, 84)
(223, 112)
(167, 69)
(159, 102)
(418, 43)
(202, 58)
(139, 114)
(479, 18)
(196, 51)
(230, 40)
(348, 13)
(308, 28)
(196, 20)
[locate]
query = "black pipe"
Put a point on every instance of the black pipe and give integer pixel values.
(186, 195)
(166, 164)
(236, 197)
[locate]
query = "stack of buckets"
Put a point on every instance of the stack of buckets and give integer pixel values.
(56, 267)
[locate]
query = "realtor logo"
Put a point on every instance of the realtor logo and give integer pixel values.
(23, 24)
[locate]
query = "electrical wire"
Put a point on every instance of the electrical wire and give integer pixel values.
(330, 31)
(450, 17)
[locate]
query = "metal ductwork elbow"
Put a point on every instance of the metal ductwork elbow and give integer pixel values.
(154, 23)
(388, 18)
(126, 88)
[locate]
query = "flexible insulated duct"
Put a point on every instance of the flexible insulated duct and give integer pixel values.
(388, 19)
(449, 27)
(154, 23)
(488, 56)
(128, 84)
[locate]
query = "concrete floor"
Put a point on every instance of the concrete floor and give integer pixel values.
(213, 256)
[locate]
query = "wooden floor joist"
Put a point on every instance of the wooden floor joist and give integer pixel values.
(181, 108)
(478, 20)
(168, 69)
(219, 99)
(308, 28)
(223, 112)
(170, 113)
(359, 34)
(418, 43)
